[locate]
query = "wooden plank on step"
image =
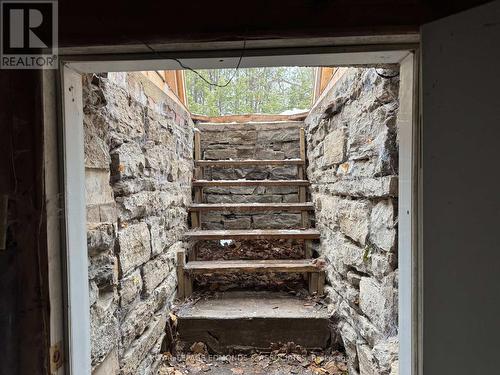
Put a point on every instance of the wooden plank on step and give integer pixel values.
(245, 207)
(211, 183)
(253, 234)
(247, 162)
(252, 266)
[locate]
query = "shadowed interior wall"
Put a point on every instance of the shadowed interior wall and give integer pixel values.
(461, 201)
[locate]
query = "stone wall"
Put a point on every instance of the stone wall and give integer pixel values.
(275, 140)
(353, 166)
(138, 165)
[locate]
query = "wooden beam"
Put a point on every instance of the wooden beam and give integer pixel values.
(253, 234)
(252, 266)
(211, 183)
(246, 207)
(249, 118)
(246, 162)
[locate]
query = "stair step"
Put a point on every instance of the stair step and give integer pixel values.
(251, 266)
(208, 183)
(247, 162)
(244, 207)
(253, 234)
(258, 319)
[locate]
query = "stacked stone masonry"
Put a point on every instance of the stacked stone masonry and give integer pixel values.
(353, 167)
(275, 140)
(138, 166)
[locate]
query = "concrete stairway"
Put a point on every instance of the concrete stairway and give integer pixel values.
(232, 307)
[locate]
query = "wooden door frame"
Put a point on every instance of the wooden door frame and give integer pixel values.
(71, 322)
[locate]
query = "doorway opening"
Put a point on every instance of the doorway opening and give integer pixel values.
(343, 148)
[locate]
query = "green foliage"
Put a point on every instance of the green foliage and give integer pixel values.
(254, 90)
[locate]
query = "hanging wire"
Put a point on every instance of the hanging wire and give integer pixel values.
(196, 72)
(386, 76)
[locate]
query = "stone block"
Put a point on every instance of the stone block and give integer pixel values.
(100, 238)
(367, 187)
(103, 270)
(386, 355)
(382, 263)
(221, 154)
(334, 147)
(136, 320)
(245, 152)
(135, 354)
(109, 366)
(354, 219)
(97, 187)
(159, 158)
(394, 368)
(107, 213)
(345, 255)
(382, 225)
(93, 292)
(379, 303)
(278, 135)
(367, 364)
(134, 246)
(239, 222)
(93, 215)
(165, 293)
(283, 173)
(125, 116)
(159, 234)
(349, 339)
(157, 269)
(290, 198)
(130, 288)
(96, 149)
(127, 161)
(150, 203)
(277, 221)
(263, 152)
(104, 333)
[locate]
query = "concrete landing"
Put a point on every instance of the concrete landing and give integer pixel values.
(241, 321)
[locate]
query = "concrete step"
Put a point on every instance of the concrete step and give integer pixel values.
(211, 183)
(253, 234)
(252, 266)
(242, 321)
(247, 162)
(246, 207)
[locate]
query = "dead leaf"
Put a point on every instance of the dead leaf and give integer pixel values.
(318, 360)
(199, 348)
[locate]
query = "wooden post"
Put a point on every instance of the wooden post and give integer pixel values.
(321, 283)
(188, 285)
(181, 261)
(313, 282)
(198, 174)
(184, 281)
(301, 176)
(308, 253)
(193, 254)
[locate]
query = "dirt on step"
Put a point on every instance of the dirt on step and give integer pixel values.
(280, 362)
(251, 249)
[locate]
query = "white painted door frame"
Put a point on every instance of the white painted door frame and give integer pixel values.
(71, 166)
